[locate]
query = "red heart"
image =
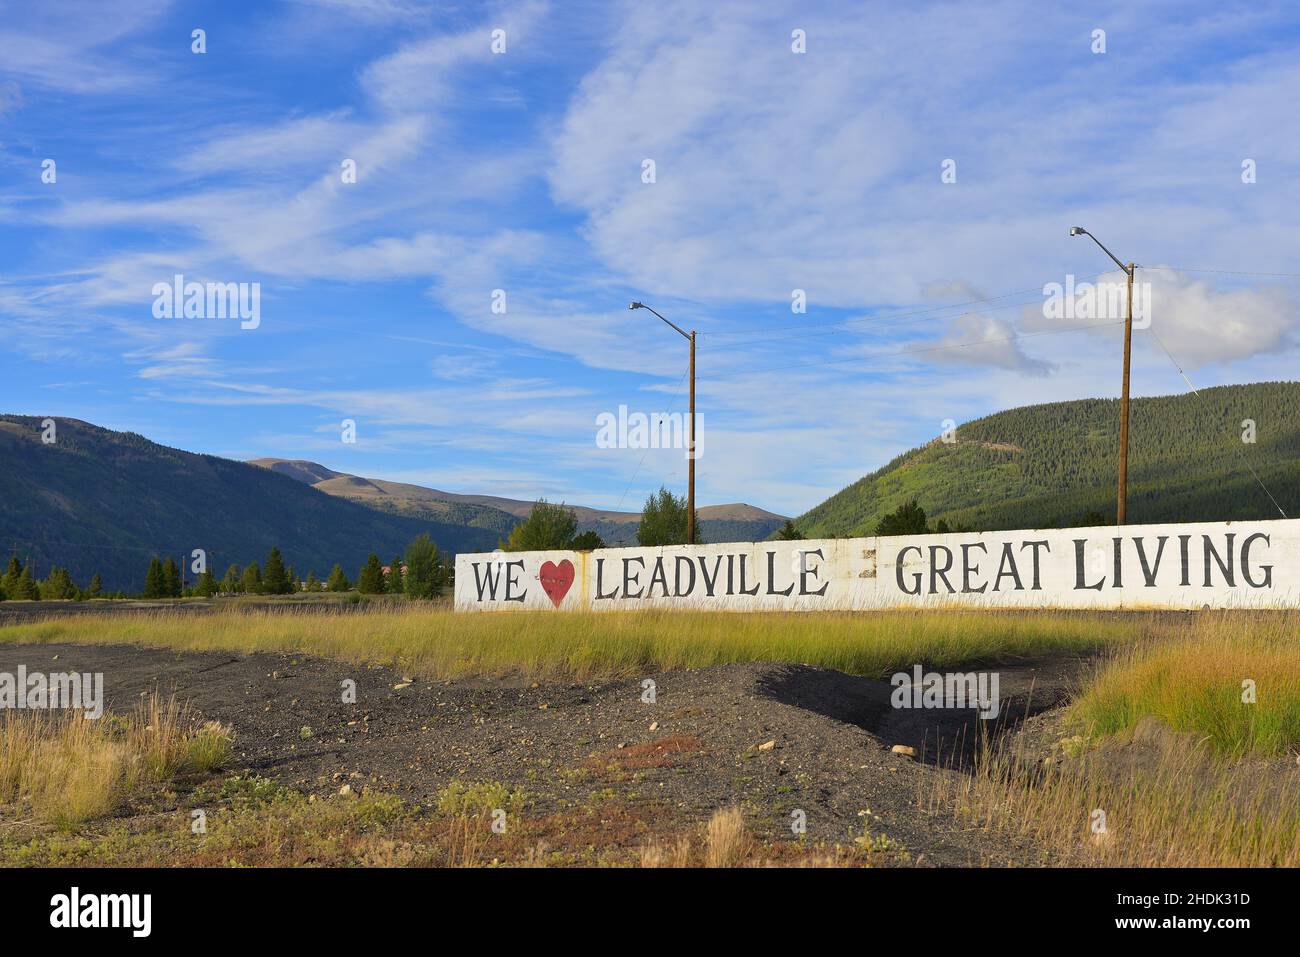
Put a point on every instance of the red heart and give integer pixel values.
(556, 580)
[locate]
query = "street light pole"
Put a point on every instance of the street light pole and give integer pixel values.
(1121, 505)
(690, 481)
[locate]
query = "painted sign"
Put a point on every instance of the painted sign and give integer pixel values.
(1219, 564)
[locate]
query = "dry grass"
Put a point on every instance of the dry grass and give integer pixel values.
(1165, 800)
(438, 643)
(69, 769)
(726, 839)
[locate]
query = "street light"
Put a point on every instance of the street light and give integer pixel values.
(1122, 505)
(690, 487)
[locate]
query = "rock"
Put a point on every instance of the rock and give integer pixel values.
(401, 684)
(767, 746)
(654, 725)
(346, 791)
(904, 750)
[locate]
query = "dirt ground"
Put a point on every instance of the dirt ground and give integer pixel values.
(775, 739)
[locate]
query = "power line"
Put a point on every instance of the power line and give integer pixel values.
(1223, 272)
(1198, 395)
(841, 323)
(904, 352)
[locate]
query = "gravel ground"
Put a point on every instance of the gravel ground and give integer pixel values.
(774, 738)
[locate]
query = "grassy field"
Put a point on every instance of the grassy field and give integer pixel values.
(437, 643)
(1180, 750)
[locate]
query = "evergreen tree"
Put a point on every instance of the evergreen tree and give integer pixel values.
(370, 580)
(788, 533)
(292, 577)
(313, 583)
(153, 580)
(396, 581)
(207, 585)
(423, 570)
(337, 580)
(274, 579)
(96, 587)
(12, 574)
(588, 541)
(59, 586)
(663, 520)
(546, 527)
(252, 580)
(907, 519)
(171, 579)
(25, 588)
(232, 583)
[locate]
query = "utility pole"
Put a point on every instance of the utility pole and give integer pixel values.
(690, 487)
(690, 465)
(1121, 504)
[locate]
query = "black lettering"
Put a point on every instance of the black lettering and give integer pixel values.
(630, 580)
(512, 581)
(1149, 571)
(1038, 585)
(1079, 575)
(967, 569)
(898, 572)
(677, 575)
(940, 573)
(771, 577)
(743, 590)
(1008, 558)
(805, 571)
(1225, 569)
(1245, 563)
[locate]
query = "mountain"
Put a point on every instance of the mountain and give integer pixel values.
(106, 502)
(1050, 465)
(718, 523)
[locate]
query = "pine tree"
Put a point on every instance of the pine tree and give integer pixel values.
(171, 578)
(252, 580)
(423, 570)
(370, 581)
(58, 587)
(337, 580)
(292, 577)
(153, 580)
(207, 585)
(274, 579)
(12, 574)
(313, 583)
(96, 587)
(396, 583)
(25, 588)
(232, 583)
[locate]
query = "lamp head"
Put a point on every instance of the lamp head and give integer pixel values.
(634, 305)
(1078, 231)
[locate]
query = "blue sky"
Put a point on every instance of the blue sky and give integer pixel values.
(522, 171)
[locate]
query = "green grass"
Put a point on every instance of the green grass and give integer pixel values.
(438, 643)
(1196, 686)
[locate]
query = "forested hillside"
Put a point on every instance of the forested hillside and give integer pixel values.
(1052, 465)
(96, 501)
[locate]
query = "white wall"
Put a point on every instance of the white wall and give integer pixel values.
(1257, 566)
